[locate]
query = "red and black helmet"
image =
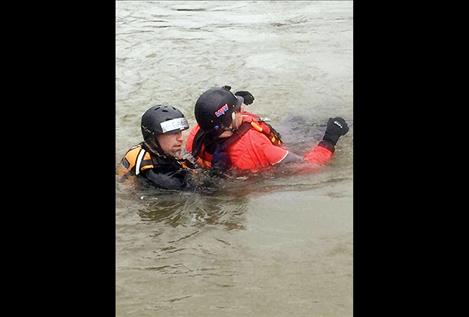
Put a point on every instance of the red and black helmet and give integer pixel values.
(214, 108)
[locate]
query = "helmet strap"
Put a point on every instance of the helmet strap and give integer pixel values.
(154, 146)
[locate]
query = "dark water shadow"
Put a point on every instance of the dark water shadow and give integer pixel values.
(195, 9)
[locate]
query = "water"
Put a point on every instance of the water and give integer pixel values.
(265, 246)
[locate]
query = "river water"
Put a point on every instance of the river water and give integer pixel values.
(265, 246)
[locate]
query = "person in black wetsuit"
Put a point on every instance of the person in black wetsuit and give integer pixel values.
(158, 159)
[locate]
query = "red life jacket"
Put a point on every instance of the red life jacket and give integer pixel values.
(250, 121)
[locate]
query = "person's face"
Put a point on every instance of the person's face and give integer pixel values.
(171, 143)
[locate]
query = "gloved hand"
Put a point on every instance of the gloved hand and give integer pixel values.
(226, 87)
(247, 96)
(336, 127)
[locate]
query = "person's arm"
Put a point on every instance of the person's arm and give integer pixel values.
(166, 181)
(321, 153)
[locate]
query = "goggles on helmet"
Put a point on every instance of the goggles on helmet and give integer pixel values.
(179, 124)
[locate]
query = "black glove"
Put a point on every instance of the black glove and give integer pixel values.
(247, 96)
(336, 127)
(226, 87)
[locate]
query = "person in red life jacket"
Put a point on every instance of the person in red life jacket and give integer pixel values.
(157, 160)
(229, 138)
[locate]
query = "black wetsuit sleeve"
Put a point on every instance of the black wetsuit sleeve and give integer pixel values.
(165, 180)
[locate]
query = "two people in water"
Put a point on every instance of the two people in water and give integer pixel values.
(226, 140)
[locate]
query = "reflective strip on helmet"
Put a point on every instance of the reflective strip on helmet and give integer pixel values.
(174, 124)
(139, 161)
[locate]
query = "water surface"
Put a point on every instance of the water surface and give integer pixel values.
(265, 246)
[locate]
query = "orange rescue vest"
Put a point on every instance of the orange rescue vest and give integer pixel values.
(249, 122)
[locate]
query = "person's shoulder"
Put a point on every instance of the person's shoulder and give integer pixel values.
(133, 151)
(128, 160)
(251, 141)
(190, 137)
(137, 157)
(256, 136)
(256, 151)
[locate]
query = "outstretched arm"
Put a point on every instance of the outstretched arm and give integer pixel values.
(320, 154)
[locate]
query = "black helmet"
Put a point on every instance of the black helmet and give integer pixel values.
(160, 119)
(214, 107)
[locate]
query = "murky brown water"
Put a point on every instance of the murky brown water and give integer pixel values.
(260, 247)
